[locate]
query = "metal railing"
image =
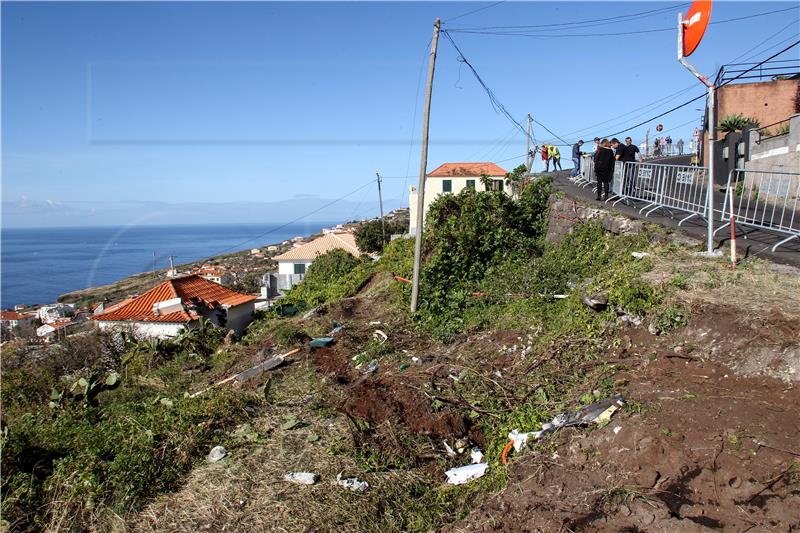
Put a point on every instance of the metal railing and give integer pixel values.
(763, 199)
(773, 130)
(663, 187)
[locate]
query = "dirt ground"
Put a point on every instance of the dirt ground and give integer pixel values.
(714, 445)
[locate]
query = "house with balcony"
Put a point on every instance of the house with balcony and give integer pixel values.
(292, 265)
(165, 310)
(452, 178)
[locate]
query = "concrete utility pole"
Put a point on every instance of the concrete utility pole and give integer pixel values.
(380, 202)
(423, 168)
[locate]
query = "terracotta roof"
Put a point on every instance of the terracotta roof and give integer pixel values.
(467, 170)
(13, 315)
(192, 290)
(321, 245)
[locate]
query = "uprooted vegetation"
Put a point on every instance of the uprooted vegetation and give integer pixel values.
(504, 339)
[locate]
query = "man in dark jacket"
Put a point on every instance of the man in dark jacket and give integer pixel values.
(576, 158)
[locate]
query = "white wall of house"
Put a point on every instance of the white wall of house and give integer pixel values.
(159, 330)
(240, 316)
(288, 267)
(434, 187)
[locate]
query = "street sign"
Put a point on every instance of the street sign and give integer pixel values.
(695, 24)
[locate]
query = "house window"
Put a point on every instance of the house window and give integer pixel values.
(497, 185)
(299, 268)
(471, 184)
(447, 185)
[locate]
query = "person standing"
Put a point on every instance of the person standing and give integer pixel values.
(576, 158)
(679, 144)
(668, 140)
(546, 157)
(596, 146)
(630, 152)
(603, 169)
(618, 149)
(556, 157)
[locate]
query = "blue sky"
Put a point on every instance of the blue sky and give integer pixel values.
(260, 102)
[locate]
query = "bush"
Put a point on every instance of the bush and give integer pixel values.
(320, 282)
(370, 236)
(736, 122)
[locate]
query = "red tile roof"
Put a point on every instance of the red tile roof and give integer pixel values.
(192, 290)
(13, 315)
(467, 170)
(332, 241)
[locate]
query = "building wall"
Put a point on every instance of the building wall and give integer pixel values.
(434, 187)
(287, 267)
(160, 330)
(239, 317)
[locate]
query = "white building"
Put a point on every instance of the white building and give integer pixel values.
(216, 275)
(292, 265)
(452, 178)
(54, 313)
(179, 303)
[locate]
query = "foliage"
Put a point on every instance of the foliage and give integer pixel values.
(672, 317)
(736, 122)
(370, 235)
(318, 285)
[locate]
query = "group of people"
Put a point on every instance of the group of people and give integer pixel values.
(551, 153)
(605, 154)
(663, 146)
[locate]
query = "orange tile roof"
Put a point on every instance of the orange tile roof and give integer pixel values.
(467, 170)
(13, 315)
(192, 290)
(321, 245)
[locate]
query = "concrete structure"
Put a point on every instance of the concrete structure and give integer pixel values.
(452, 178)
(180, 303)
(53, 330)
(55, 312)
(292, 265)
(216, 275)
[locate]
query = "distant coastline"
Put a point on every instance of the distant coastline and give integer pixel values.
(41, 264)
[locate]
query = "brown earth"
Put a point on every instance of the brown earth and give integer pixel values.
(710, 449)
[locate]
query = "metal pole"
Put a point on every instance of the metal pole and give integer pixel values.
(712, 133)
(380, 202)
(528, 158)
(423, 168)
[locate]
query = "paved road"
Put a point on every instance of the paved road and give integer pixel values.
(758, 243)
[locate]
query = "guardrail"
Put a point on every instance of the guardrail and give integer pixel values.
(763, 199)
(662, 187)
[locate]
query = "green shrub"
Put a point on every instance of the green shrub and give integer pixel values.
(736, 122)
(318, 285)
(371, 237)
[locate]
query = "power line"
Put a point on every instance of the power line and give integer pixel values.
(414, 121)
(546, 33)
(759, 64)
(473, 11)
(793, 23)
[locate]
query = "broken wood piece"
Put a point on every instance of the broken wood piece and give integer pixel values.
(260, 368)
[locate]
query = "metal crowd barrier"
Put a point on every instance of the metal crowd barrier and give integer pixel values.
(764, 199)
(663, 187)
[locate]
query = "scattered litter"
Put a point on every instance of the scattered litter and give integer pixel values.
(351, 483)
(321, 342)
(217, 453)
(337, 328)
(260, 368)
(450, 451)
(477, 455)
(310, 313)
(416, 360)
(498, 373)
(598, 413)
(631, 320)
(597, 302)
(375, 323)
(559, 296)
(301, 478)
(380, 336)
(404, 366)
(653, 330)
(617, 429)
(639, 255)
(404, 280)
(464, 474)
(372, 366)
(461, 445)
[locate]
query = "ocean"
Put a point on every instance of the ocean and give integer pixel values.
(40, 264)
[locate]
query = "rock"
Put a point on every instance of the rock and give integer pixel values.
(653, 329)
(597, 302)
(216, 453)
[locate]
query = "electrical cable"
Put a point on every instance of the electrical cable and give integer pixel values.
(414, 121)
(475, 11)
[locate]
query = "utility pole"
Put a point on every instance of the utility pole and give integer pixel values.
(380, 202)
(171, 272)
(423, 168)
(528, 157)
(154, 264)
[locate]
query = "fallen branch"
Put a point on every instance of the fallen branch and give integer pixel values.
(269, 364)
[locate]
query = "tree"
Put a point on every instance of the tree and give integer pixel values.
(370, 235)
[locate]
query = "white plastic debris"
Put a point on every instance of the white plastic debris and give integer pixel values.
(301, 478)
(464, 474)
(351, 483)
(380, 336)
(372, 366)
(375, 323)
(639, 255)
(450, 451)
(559, 296)
(217, 453)
(617, 429)
(520, 439)
(477, 455)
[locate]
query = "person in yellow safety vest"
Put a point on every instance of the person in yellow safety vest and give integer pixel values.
(555, 156)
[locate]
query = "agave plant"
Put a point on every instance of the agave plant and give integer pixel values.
(736, 122)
